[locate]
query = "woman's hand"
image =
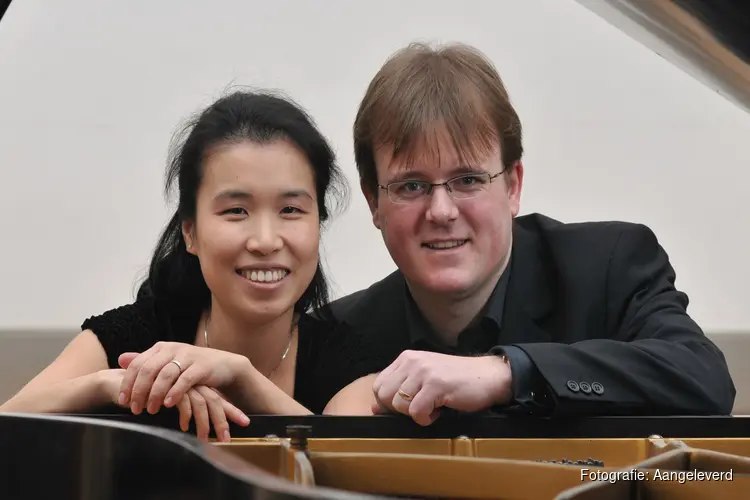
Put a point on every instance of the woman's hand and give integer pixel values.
(109, 385)
(207, 406)
(165, 373)
(202, 403)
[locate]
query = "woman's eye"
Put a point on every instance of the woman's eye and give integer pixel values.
(291, 210)
(235, 211)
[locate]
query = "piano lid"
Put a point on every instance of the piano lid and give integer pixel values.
(708, 39)
(4, 4)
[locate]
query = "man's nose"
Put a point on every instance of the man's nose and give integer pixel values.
(441, 208)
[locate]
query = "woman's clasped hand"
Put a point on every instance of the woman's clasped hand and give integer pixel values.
(191, 378)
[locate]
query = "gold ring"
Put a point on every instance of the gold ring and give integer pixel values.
(405, 395)
(179, 366)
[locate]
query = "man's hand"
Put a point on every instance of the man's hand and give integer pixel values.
(419, 383)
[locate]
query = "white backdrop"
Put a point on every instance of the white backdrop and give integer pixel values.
(92, 90)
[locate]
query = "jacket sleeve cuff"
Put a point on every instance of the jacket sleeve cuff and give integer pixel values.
(530, 390)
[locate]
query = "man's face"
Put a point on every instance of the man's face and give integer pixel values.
(442, 242)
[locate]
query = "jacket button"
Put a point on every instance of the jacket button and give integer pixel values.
(573, 386)
(597, 388)
(585, 387)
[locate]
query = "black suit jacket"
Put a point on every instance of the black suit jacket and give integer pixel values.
(595, 308)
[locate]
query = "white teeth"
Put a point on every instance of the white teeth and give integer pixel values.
(264, 276)
(446, 244)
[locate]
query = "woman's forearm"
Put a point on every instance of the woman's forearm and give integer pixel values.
(69, 396)
(356, 398)
(254, 393)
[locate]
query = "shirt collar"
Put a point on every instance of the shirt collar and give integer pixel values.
(419, 328)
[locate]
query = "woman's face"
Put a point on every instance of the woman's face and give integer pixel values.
(256, 230)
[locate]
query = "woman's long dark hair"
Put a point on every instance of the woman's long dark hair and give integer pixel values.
(174, 276)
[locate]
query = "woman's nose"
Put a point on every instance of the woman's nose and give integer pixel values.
(264, 238)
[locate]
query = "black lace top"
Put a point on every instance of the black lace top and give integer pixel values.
(138, 326)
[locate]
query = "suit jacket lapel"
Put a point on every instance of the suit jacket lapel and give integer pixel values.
(531, 290)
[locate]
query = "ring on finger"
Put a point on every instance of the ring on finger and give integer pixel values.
(179, 366)
(405, 395)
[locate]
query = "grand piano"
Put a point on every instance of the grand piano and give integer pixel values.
(117, 456)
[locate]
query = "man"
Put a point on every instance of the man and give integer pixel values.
(493, 311)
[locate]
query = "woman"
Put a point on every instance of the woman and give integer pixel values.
(220, 326)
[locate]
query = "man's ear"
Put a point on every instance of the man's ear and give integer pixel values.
(514, 182)
(188, 234)
(372, 202)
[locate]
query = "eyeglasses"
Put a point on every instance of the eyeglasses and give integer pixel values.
(461, 187)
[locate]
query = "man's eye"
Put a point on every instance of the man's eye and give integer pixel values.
(412, 186)
(468, 183)
(471, 179)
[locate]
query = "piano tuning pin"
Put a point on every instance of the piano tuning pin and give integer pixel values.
(298, 435)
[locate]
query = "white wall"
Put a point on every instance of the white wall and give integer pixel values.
(91, 91)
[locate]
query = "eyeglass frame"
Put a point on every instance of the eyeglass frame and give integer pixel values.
(432, 185)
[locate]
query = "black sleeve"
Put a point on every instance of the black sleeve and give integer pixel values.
(652, 358)
(130, 328)
(530, 391)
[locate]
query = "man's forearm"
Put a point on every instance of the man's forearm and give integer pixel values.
(649, 376)
(76, 395)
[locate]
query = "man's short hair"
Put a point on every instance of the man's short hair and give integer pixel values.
(421, 92)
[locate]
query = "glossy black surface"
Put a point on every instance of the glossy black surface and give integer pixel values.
(4, 4)
(485, 426)
(728, 20)
(57, 457)
(504, 427)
